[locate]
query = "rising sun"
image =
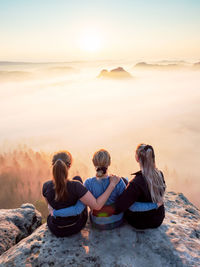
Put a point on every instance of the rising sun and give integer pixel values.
(91, 41)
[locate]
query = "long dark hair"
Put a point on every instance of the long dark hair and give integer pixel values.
(61, 162)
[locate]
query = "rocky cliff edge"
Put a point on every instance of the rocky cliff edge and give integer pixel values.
(175, 243)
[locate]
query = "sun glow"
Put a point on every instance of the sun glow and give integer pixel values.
(91, 41)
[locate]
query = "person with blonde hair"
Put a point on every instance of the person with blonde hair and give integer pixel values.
(147, 185)
(104, 218)
(60, 192)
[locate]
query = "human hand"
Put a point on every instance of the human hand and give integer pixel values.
(160, 203)
(50, 210)
(114, 180)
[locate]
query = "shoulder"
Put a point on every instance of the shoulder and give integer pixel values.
(138, 181)
(120, 187)
(74, 184)
(137, 178)
(77, 187)
(90, 181)
(121, 184)
(137, 174)
(47, 186)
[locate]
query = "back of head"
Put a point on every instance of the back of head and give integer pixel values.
(153, 176)
(61, 162)
(65, 156)
(101, 160)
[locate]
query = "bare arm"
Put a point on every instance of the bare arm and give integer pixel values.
(89, 200)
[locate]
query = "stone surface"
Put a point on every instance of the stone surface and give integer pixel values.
(16, 224)
(175, 243)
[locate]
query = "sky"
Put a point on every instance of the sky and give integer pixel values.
(64, 30)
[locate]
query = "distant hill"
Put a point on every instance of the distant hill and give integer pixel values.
(171, 62)
(7, 76)
(61, 68)
(160, 66)
(14, 63)
(118, 73)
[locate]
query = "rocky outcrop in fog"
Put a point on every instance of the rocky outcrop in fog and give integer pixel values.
(175, 243)
(118, 73)
(158, 66)
(16, 224)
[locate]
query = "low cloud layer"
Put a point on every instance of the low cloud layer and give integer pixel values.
(81, 113)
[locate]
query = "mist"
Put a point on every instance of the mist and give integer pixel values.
(56, 106)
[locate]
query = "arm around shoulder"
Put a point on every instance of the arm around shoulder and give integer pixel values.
(128, 197)
(70, 211)
(96, 204)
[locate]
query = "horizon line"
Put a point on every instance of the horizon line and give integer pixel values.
(98, 60)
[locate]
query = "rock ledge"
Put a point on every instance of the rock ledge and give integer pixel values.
(175, 243)
(16, 224)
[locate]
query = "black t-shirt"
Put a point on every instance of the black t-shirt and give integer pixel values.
(75, 190)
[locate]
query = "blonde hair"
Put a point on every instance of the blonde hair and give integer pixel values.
(101, 160)
(61, 163)
(153, 176)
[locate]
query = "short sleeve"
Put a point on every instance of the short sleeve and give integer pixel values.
(120, 187)
(44, 189)
(80, 189)
(87, 184)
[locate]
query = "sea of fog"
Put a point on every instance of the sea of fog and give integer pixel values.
(48, 107)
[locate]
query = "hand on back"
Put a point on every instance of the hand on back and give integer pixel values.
(50, 210)
(114, 180)
(160, 203)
